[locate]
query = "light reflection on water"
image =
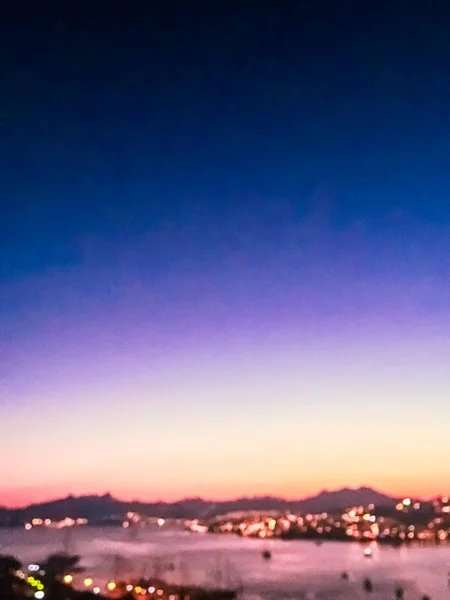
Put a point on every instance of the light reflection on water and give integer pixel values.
(298, 569)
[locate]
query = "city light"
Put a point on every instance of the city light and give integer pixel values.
(111, 586)
(88, 582)
(67, 522)
(39, 595)
(96, 590)
(357, 523)
(68, 578)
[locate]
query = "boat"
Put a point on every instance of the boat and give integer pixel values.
(267, 555)
(367, 585)
(367, 552)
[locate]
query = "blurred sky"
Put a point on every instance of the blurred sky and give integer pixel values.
(225, 251)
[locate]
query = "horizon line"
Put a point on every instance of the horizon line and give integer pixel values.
(222, 500)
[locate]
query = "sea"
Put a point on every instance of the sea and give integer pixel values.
(299, 570)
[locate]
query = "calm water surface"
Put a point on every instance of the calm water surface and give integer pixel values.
(298, 569)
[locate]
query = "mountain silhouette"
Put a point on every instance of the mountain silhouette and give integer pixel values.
(106, 507)
(327, 501)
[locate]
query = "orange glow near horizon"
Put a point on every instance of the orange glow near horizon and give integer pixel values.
(16, 498)
(247, 425)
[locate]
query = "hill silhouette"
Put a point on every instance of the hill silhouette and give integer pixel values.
(102, 507)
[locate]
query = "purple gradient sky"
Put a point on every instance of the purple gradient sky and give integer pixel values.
(303, 368)
(224, 249)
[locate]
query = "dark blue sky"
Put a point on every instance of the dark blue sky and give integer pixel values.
(184, 112)
(216, 210)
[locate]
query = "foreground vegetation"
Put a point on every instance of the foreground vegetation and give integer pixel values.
(47, 583)
(53, 580)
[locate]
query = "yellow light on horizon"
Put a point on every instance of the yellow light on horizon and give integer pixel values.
(68, 578)
(88, 582)
(111, 586)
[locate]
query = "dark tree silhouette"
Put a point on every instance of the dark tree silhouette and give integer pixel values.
(8, 578)
(56, 567)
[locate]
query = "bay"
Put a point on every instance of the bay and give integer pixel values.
(297, 569)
